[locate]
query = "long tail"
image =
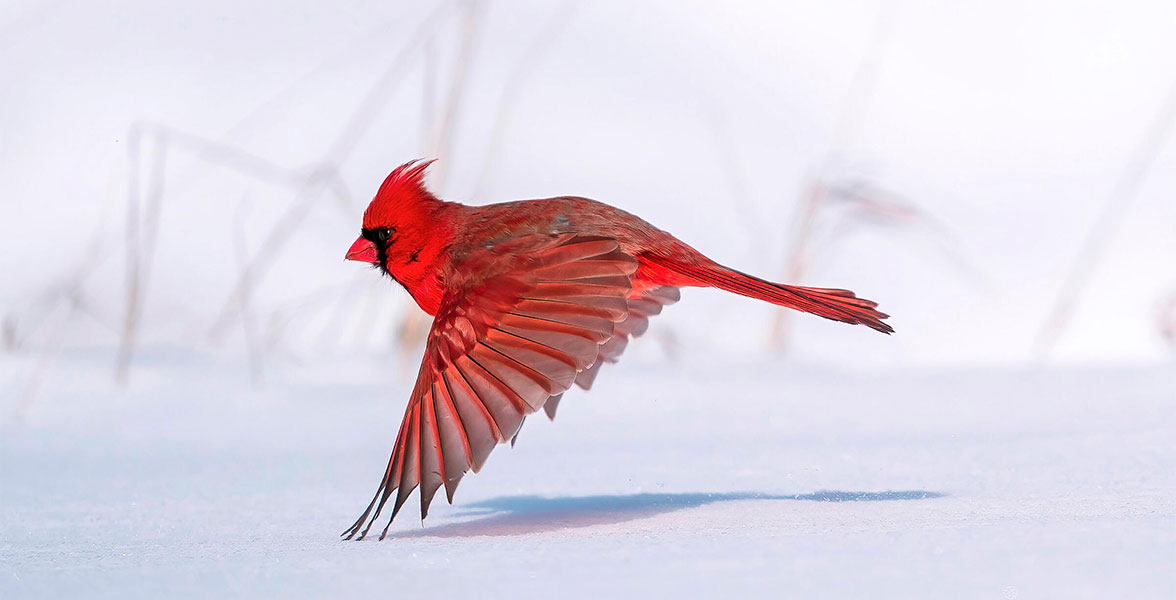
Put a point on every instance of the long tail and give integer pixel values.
(838, 305)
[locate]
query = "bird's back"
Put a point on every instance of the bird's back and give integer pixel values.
(567, 214)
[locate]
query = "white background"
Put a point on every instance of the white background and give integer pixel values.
(232, 458)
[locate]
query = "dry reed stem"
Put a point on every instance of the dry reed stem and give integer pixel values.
(512, 88)
(872, 205)
(345, 142)
(142, 215)
(862, 88)
(444, 128)
(140, 248)
(1166, 319)
(66, 292)
(413, 325)
(812, 201)
(36, 378)
(253, 346)
(373, 103)
(1106, 223)
(745, 210)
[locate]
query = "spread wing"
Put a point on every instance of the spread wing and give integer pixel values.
(503, 342)
(641, 306)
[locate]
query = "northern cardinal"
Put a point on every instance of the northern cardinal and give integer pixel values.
(528, 297)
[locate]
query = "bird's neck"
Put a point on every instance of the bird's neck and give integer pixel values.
(420, 257)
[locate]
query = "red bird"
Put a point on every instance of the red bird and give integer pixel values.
(528, 297)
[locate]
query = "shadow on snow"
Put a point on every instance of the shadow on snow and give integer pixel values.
(519, 515)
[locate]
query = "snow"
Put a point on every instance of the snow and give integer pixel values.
(700, 477)
(939, 462)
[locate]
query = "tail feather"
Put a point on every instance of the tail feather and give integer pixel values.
(835, 304)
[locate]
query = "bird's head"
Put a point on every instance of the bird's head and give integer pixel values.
(400, 228)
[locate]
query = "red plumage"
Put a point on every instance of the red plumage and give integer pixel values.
(528, 297)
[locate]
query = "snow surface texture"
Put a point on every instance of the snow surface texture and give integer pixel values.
(688, 480)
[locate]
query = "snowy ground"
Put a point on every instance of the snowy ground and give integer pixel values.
(688, 479)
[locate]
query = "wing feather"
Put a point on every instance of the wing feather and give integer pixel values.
(411, 465)
(432, 461)
(503, 404)
(525, 384)
(574, 317)
(506, 341)
(476, 419)
(641, 306)
(553, 366)
(453, 435)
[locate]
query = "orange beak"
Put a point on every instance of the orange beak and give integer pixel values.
(363, 250)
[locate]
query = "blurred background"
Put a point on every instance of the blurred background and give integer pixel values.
(998, 176)
(198, 393)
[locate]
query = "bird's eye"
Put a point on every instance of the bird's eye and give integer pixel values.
(384, 234)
